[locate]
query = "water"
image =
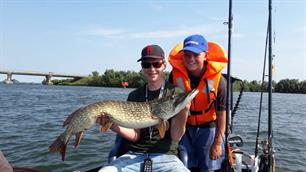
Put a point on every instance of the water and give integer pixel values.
(31, 117)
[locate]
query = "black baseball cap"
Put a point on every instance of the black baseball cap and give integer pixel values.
(152, 52)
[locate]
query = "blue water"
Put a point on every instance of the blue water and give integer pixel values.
(31, 117)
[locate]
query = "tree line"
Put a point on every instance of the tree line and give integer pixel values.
(112, 78)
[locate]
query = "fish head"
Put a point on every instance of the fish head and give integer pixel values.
(182, 99)
(167, 107)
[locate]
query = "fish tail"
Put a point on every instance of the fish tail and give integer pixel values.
(59, 146)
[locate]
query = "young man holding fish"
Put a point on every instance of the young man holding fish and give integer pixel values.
(147, 150)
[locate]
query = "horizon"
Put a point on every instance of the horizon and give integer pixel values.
(100, 74)
(85, 36)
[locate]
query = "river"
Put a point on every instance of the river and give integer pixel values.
(31, 117)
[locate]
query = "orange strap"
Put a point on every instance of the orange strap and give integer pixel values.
(230, 155)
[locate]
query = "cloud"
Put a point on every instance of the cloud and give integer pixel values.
(213, 30)
(158, 34)
(180, 31)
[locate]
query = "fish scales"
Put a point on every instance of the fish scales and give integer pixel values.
(130, 114)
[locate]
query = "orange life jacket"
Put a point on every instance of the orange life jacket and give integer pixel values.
(202, 108)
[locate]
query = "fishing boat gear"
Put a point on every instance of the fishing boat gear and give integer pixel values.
(233, 140)
(236, 107)
(261, 92)
(234, 110)
(265, 162)
(271, 165)
(267, 159)
(229, 91)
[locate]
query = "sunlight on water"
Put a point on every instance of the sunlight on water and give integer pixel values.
(32, 116)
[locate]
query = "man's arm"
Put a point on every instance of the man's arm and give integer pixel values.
(178, 124)
(4, 164)
(216, 148)
(127, 133)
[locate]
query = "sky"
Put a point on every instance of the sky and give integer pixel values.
(80, 36)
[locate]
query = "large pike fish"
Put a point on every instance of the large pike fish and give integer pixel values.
(123, 113)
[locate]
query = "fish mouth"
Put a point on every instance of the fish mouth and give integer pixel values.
(184, 99)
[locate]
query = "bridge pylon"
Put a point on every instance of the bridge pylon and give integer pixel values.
(8, 80)
(47, 81)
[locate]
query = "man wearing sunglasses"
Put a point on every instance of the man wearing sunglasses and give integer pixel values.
(198, 64)
(146, 150)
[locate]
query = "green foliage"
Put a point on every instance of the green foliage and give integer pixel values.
(290, 86)
(95, 73)
(112, 78)
(236, 86)
(283, 86)
(303, 87)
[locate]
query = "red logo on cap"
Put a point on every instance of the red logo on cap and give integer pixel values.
(149, 50)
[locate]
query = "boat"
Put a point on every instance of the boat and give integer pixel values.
(124, 84)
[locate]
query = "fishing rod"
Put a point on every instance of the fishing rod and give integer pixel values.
(229, 83)
(262, 90)
(267, 146)
(270, 151)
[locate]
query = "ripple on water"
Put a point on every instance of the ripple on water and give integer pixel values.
(32, 117)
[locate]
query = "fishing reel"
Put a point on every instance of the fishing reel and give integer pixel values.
(264, 157)
(234, 140)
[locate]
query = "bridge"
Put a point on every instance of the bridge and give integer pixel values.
(48, 76)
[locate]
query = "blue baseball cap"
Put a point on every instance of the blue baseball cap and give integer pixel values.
(195, 44)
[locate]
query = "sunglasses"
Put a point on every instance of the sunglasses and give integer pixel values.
(147, 65)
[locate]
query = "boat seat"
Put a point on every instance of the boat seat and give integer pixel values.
(120, 148)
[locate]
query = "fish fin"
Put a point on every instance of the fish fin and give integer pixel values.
(106, 126)
(63, 151)
(58, 146)
(78, 138)
(163, 127)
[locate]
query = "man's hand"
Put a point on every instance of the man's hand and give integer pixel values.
(216, 147)
(215, 151)
(102, 119)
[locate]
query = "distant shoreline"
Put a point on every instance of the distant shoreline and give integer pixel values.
(132, 79)
(252, 86)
